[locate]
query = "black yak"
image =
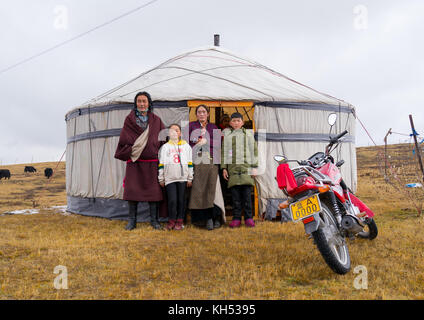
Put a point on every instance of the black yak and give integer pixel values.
(48, 172)
(30, 169)
(4, 173)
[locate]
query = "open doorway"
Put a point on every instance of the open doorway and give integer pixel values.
(219, 111)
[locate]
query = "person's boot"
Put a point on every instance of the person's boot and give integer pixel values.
(171, 225)
(209, 224)
(217, 223)
(179, 225)
(249, 223)
(132, 216)
(235, 223)
(153, 207)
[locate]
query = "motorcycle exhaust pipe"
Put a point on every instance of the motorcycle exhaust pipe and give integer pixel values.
(351, 224)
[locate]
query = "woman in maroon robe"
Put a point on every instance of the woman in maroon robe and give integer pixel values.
(141, 175)
(205, 150)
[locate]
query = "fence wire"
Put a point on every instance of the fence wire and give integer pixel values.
(400, 167)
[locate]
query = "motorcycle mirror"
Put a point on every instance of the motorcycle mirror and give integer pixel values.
(332, 118)
(279, 158)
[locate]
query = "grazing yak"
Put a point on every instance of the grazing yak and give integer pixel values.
(30, 169)
(48, 172)
(4, 173)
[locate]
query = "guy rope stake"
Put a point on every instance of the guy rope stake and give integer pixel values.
(414, 133)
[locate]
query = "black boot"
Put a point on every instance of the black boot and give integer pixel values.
(132, 215)
(216, 217)
(209, 224)
(153, 207)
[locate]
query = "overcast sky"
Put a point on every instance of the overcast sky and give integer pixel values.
(368, 53)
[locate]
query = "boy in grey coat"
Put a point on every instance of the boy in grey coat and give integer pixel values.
(239, 162)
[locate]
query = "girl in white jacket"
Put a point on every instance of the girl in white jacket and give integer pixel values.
(175, 174)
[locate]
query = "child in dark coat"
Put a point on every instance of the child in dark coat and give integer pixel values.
(239, 162)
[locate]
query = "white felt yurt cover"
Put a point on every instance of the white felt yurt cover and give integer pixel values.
(214, 73)
(293, 115)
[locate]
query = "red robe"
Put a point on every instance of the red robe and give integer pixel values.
(141, 177)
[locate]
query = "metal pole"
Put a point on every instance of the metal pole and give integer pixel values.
(416, 145)
(216, 40)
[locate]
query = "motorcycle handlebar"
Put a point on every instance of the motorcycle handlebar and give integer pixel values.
(327, 149)
(336, 138)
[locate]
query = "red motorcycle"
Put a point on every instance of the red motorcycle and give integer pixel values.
(330, 212)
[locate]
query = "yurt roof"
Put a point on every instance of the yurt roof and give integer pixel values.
(215, 73)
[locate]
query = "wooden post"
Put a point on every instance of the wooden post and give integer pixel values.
(416, 146)
(255, 189)
(385, 154)
(218, 119)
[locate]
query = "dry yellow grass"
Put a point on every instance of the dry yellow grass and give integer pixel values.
(270, 261)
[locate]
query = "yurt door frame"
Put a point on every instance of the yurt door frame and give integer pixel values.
(246, 108)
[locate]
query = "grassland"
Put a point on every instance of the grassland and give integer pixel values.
(270, 261)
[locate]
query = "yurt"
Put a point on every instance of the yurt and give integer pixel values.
(288, 118)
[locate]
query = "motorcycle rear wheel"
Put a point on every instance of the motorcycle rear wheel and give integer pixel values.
(331, 243)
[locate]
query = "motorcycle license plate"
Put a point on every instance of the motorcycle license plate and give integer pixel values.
(305, 208)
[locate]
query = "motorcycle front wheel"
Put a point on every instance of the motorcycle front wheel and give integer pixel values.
(331, 243)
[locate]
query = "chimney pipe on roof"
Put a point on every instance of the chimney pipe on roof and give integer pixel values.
(216, 40)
